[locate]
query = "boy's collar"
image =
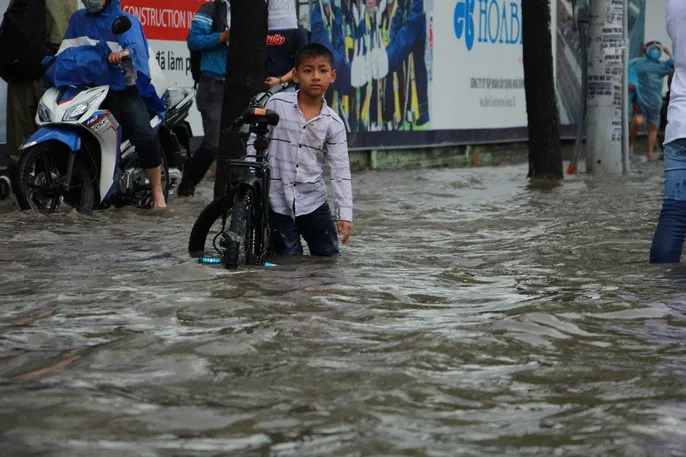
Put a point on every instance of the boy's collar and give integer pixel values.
(324, 104)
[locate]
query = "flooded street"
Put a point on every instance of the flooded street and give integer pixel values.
(471, 315)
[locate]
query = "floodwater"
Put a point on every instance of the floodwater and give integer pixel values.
(472, 315)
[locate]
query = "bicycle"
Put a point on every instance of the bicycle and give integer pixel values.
(244, 205)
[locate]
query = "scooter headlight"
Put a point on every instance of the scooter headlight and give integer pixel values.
(75, 112)
(44, 114)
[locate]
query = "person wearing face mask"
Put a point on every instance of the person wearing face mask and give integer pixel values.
(646, 75)
(142, 91)
(209, 35)
(23, 96)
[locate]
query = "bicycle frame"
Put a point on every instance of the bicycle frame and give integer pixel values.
(255, 179)
(243, 205)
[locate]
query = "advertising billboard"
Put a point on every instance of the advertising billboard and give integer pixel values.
(412, 73)
(422, 72)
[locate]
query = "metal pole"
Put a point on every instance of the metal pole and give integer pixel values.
(606, 87)
(626, 118)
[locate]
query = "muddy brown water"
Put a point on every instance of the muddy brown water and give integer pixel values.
(472, 315)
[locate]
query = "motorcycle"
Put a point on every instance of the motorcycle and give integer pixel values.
(78, 156)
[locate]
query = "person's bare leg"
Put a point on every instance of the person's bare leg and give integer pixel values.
(652, 140)
(636, 124)
(155, 177)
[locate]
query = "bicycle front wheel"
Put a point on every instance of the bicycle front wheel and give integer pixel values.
(233, 239)
(240, 238)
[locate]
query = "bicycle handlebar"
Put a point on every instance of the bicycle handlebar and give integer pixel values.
(254, 116)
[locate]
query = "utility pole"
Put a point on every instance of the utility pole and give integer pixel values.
(245, 63)
(607, 113)
(545, 151)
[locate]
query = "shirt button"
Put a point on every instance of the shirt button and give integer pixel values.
(300, 145)
(297, 165)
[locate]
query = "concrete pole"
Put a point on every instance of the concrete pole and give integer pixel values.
(606, 88)
(626, 119)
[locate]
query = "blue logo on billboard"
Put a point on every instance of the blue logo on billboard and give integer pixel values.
(495, 22)
(464, 21)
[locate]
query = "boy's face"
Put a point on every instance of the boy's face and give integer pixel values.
(315, 75)
(371, 4)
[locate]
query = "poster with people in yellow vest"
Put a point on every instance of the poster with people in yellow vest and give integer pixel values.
(382, 52)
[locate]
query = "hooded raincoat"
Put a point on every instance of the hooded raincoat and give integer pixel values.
(647, 76)
(82, 58)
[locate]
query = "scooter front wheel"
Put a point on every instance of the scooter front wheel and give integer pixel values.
(42, 177)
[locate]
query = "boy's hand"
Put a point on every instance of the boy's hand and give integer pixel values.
(225, 35)
(344, 229)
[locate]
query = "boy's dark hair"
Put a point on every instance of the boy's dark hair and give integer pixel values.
(311, 51)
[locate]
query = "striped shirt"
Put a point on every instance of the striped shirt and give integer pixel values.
(298, 153)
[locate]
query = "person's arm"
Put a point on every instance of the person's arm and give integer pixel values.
(301, 41)
(201, 37)
(665, 50)
(341, 182)
(68, 35)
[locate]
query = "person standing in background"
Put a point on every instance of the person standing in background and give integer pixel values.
(209, 35)
(646, 75)
(286, 37)
(23, 96)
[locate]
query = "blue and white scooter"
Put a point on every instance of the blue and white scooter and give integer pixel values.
(77, 157)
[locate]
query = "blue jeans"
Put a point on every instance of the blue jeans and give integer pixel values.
(318, 229)
(671, 229)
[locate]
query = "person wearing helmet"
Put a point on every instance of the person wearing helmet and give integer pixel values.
(646, 75)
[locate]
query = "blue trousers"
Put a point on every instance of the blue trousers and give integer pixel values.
(668, 239)
(318, 229)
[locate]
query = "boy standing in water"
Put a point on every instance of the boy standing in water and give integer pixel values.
(309, 136)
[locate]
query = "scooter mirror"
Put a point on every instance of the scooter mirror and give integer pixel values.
(121, 25)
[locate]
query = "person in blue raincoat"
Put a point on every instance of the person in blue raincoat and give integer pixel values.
(134, 93)
(645, 90)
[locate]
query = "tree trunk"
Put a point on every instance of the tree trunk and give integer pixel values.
(245, 65)
(545, 153)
